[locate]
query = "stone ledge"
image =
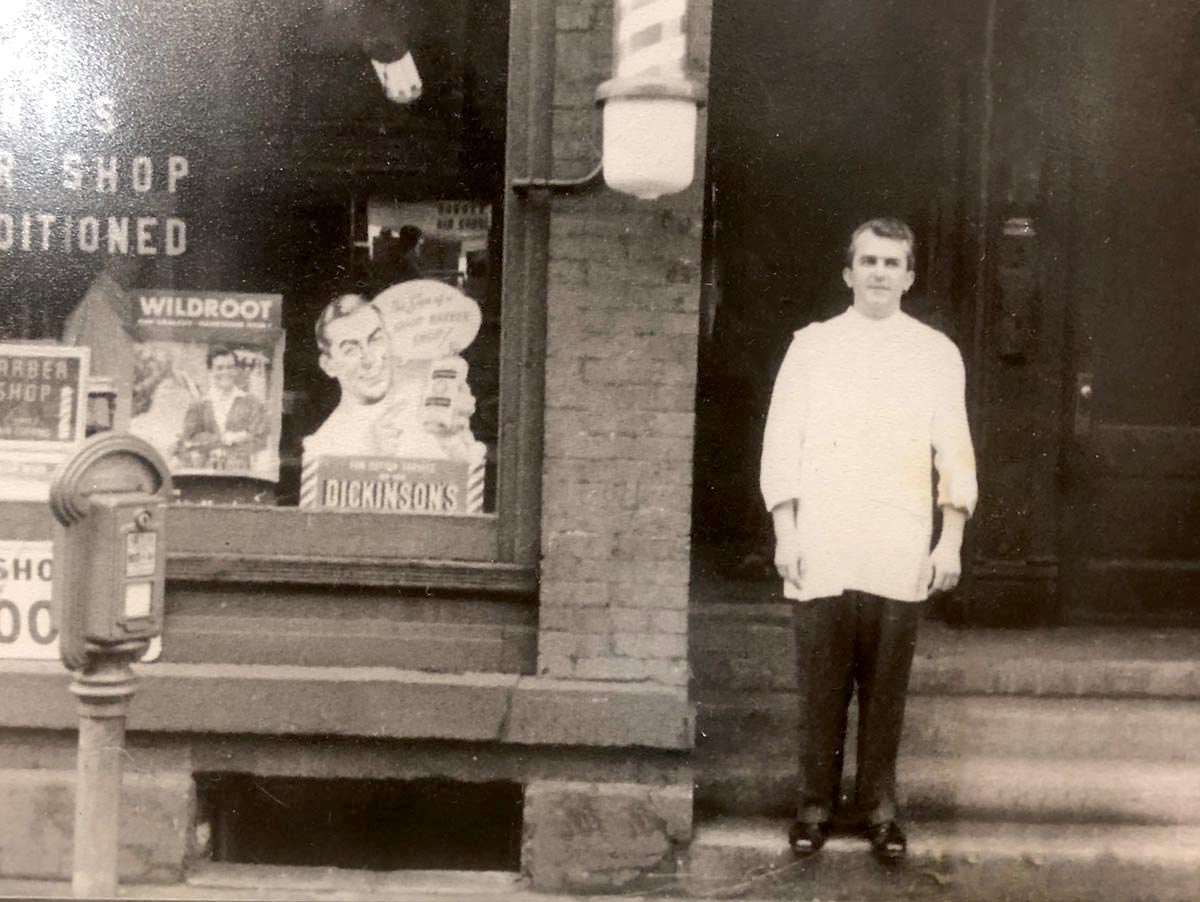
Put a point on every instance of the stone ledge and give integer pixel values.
(380, 702)
(39, 817)
(578, 712)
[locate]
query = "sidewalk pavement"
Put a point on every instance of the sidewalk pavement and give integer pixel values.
(257, 883)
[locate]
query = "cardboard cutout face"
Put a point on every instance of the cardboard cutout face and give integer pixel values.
(359, 356)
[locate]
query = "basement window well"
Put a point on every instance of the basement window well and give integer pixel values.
(384, 825)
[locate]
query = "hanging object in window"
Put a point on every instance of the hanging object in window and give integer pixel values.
(400, 79)
(385, 30)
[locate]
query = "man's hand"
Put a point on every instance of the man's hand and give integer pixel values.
(789, 562)
(945, 566)
(945, 562)
(789, 558)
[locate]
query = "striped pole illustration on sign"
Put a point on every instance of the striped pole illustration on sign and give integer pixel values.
(309, 483)
(651, 38)
(66, 409)
(475, 481)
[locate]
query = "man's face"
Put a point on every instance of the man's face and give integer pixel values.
(358, 356)
(879, 275)
(223, 372)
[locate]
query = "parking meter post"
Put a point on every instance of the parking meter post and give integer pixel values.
(103, 687)
(110, 503)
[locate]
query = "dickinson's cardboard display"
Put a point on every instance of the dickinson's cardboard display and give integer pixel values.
(400, 439)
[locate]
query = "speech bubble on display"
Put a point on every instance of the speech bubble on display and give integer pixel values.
(427, 319)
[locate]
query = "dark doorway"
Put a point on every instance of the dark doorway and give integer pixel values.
(1135, 264)
(823, 114)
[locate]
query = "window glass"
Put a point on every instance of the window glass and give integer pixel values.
(278, 228)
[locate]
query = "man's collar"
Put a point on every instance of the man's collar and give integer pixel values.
(896, 316)
(234, 393)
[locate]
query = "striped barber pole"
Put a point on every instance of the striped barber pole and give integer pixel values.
(651, 38)
(475, 481)
(66, 411)
(309, 484)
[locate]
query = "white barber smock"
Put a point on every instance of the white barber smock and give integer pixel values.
(858, 408)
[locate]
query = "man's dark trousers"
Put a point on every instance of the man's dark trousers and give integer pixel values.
(863, 640)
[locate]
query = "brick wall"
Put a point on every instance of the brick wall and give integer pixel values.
(624, 293)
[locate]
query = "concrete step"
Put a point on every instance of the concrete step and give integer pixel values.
(966, 862)
(953, 726)
(749, 647)
(1027, 790)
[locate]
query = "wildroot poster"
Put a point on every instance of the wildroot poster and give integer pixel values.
(207, 385)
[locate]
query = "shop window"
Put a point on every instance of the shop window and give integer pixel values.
(280, 228)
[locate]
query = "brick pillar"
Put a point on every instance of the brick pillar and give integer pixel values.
(622, 327)
(624, 294)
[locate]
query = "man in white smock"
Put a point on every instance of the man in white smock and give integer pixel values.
(860, 404)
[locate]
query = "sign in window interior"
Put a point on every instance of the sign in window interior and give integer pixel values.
(278, 226)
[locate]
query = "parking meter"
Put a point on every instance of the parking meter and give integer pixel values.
(110, 502)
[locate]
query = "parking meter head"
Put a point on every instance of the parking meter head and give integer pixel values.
(110, 504)
(108, 463)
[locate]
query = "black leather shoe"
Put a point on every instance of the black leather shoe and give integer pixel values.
(888, 843)
(806, 838)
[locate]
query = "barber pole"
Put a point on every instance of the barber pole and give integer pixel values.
(650, 104)
(651, 38)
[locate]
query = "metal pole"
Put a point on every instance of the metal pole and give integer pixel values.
(103, 687)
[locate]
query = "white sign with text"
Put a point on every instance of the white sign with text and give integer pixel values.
(27, 629)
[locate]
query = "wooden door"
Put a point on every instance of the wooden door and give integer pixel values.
(1135, 464)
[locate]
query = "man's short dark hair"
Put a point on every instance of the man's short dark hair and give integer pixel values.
(215, 351)
(410, 236)
(886, 227)
(342, 305)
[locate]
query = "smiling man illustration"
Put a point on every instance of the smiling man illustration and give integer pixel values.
(225, 428)
(356, 351)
